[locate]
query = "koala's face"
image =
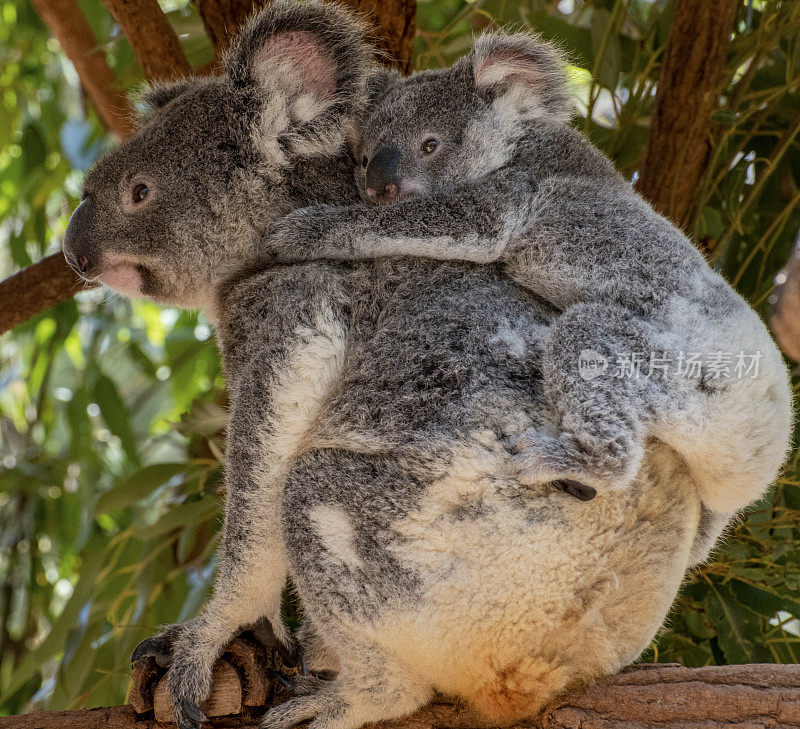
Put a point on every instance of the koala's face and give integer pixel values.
(161, 213)
(441, 128)
(181, 205)
(418, 137)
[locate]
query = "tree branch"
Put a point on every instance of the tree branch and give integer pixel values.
(67, 24)
(393, 22)
(36, 288)
(666, 696)
(154, 42)
(678, 146)
(222, 18)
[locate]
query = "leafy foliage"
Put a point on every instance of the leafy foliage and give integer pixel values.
(111, 412)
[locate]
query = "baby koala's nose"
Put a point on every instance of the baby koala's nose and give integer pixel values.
(382, 176)
(389, 193)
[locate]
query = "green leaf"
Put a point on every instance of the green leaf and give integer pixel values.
(116, 415)
(607, 74)
(134, 488)
(738, 629)
(184, 515)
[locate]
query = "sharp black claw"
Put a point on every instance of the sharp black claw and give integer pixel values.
(575, 488)
(190, 709)
(281, 678)
(141, 651)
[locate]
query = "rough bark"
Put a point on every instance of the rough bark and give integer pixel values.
(785, 306)
(394, 24)
(67, 24)
(154, 42)
(36, 288)
(222, 18)
(664, 696)
(678, 144)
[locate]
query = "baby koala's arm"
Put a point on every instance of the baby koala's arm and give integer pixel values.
(473, 222)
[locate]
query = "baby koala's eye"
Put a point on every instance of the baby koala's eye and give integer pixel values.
(139, 193)
(364, 161)
(429, 146)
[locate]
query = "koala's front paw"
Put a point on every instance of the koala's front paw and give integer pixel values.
(189, 681)
(298, 235)
(159, 647)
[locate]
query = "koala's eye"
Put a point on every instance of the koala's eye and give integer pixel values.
(139, 193)
(429, 146)
(364, 161)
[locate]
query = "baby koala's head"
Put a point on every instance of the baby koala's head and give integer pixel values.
(438, 129)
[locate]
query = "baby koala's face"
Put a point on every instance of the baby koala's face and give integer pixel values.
(417, 140)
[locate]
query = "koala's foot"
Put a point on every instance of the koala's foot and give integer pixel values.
(290, 654)
(579, 469)
(347, 702)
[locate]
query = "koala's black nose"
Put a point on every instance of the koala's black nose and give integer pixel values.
(78, 244)
(383, 173)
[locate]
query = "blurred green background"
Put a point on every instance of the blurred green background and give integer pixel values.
(111, 411)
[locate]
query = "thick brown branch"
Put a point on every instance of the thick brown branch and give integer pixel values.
(663, 696)
(394, 24)
(67, 24)
(678, 146)
(152, 38)
(36, 288)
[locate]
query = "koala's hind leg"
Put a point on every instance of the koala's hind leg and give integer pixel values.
(371, 687)
(319, 657)
(600, 417)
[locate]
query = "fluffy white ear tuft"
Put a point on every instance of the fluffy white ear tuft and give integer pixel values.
(525, 71)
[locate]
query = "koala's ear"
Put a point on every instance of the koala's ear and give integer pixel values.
(523, 70)
(159, 95)
(312, 62)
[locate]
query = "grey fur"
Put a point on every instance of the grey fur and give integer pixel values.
(511, 181)
(374, 408)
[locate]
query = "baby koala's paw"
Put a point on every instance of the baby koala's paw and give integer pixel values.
(571, 467)
(298, 235)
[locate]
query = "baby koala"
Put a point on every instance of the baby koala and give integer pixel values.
(478, 163)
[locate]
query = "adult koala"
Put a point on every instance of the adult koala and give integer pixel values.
(374, 408)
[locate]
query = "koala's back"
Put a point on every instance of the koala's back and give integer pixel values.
(436, 351)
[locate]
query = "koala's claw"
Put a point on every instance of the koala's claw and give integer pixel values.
(282, 678)
(158, 647)
(189, 714)
(575, 488)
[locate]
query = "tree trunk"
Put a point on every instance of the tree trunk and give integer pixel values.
(678, 145)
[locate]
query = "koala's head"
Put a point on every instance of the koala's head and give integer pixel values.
(176, 207)
(440, 128)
